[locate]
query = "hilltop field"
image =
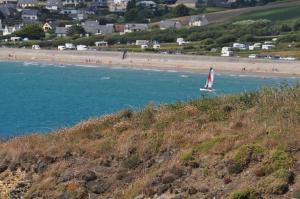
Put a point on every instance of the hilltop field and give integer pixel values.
(243, 146)
(275, 14)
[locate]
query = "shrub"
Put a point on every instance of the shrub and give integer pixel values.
(285, 174)
(244, 155)
(280, 159)
(247, 193)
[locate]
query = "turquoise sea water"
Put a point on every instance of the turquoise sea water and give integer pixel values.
(41, 98)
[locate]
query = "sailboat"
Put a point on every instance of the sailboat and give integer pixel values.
(208, 87)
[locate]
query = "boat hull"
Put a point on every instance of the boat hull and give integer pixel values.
(207, 90)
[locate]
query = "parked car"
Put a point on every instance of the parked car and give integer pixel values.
(144, 46)
(61, 48)
(156, 46)
(252, 56)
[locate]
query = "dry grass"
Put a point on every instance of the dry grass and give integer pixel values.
(172, 134)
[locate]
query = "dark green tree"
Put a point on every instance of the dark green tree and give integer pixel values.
(75, 30)
(296, 25)
(131, 4)
(181, 10)
(131, 15)
(31, 31)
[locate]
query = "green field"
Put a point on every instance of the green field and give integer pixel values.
(274, 14)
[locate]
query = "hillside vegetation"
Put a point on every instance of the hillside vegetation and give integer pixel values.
(275, 14)
(237, 147)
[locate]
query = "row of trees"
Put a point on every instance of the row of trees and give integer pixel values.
(35, 32)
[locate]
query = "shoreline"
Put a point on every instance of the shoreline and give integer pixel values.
(163, 62)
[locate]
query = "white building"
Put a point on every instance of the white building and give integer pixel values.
(135, 27)
(101, 44)
(199, 20)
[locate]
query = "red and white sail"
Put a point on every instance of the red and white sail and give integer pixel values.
(210, 79)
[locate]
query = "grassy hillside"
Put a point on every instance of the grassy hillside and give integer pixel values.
(237, 147)
(274, 14)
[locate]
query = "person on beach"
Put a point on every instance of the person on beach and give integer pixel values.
(124, 54)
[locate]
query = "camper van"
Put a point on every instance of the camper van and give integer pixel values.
(35, 47)
(81, 47)
(70, 46)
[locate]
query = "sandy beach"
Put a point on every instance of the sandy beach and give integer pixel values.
(156, 61)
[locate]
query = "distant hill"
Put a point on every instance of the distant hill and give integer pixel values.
(275, 14)
(244, 146)
(233, 13)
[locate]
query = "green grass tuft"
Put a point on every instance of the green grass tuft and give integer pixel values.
(207, 145)
(248, 193)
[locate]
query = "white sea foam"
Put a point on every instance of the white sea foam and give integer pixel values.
(30, 64)
(184, 76)
(172, 71)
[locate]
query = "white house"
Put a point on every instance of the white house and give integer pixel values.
(101, 44)
(54, 5)
(47, 27)
(118, 5)
(135, 27)
(10, 29)
(72, 3)
(199, 20)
